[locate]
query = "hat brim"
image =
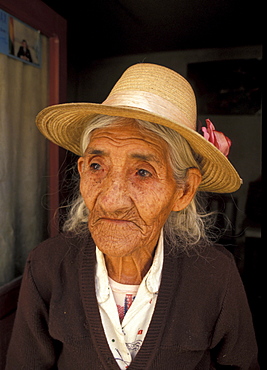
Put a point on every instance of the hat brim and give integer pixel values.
(63, 124)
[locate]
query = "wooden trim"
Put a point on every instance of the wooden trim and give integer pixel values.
(52, 148)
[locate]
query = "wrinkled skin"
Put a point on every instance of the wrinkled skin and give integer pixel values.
(128, 186)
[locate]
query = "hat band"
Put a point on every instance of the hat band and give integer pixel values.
(151, 103)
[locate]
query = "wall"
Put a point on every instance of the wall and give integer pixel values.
(93, 84)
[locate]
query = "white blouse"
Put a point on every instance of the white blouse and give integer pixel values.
(126, 310)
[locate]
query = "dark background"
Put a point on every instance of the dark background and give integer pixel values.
(103, 28)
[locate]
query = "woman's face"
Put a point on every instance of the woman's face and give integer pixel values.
(128, 186)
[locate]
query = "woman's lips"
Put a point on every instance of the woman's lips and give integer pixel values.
(115, 220)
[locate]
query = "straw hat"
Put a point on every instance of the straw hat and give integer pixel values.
(152, 93)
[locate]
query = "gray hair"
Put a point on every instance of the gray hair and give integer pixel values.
(184, 229)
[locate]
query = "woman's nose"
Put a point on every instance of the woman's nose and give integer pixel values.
(115, 194)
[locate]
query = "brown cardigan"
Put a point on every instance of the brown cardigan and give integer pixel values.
(201, 320)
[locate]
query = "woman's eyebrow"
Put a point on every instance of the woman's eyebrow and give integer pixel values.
(145, 157)
(142, 157)
(93, 151)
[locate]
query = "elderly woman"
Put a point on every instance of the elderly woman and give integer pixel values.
(134, 282)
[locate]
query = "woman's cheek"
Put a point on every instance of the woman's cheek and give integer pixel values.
(89, 190)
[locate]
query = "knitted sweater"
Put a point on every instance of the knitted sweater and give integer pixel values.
(201, 319)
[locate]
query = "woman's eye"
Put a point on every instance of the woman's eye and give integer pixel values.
(144, 173)
(95, 166)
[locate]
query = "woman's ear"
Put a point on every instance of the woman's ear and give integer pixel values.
(187, 192)
(81, 165)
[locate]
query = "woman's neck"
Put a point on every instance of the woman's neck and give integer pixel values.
(130, 269)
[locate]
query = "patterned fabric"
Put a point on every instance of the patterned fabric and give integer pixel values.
(126, 326)
(124, 296)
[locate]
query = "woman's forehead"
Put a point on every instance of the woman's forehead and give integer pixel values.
(126, 136)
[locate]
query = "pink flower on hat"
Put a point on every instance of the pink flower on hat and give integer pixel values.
(217, 138)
